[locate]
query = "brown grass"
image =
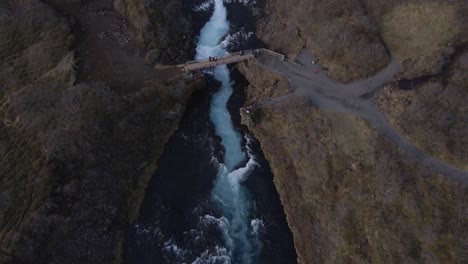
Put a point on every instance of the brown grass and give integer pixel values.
(419, 29)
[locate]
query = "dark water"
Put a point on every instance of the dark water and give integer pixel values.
(411, 84)
(178, 223)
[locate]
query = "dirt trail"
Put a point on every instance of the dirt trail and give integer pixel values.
(355, 98)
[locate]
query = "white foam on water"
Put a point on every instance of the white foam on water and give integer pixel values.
(258, 226)
(171, 248)
(203, 6)
(244, 2)
(146, 231)
(217, 256)
(241, 174)
(228, 193)
(236, 38)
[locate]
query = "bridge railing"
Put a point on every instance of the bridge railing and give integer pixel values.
(245, 52)
(206, 64)
(228, 58)
(276, 54)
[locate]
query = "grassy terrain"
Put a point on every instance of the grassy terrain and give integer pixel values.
(350, 196)
(274, 85)
(434, 114)
(341, 35)
(422, 35)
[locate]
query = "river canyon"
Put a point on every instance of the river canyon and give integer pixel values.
(230, 223)
(353, 149)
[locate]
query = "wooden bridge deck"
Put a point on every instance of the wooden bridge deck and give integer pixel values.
(205, 64)
(227, 59)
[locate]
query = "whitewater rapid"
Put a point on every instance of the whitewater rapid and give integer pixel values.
(197, 208)
(229, 194)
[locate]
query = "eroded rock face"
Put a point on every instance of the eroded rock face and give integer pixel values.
(339, 33)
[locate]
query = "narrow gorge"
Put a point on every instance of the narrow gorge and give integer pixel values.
(236, 216)
(353, 148)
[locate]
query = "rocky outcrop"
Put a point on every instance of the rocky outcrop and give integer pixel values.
(76, 150)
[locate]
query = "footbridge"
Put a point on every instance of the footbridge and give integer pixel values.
(227, 59)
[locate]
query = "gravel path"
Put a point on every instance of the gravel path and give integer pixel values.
(355, 98)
